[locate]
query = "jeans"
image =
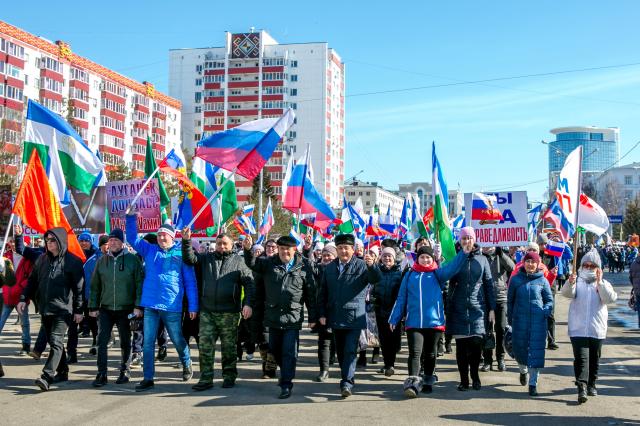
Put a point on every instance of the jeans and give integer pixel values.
(468, 352)
(284, 347)
(586, 358)
(499, 328)
(106, 320)
(173, 323)
(41, 341)
(422, 340)
(347, 350)
(326, 347)
(389, 340)
(533, 374)
(6, 311)
(55, 327)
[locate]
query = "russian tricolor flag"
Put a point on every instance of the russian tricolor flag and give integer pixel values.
(267, 220)
(554, 248)
(555, 215)
(483, 207)
(245, 149)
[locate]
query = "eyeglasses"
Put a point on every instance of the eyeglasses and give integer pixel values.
(51, 240)
(589, 266)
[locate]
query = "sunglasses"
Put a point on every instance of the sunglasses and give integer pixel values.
(590, 266)
(51, 240)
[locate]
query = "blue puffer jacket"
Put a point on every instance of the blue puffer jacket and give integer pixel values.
(166, 277)
(420, 296)
(89, 267)
(470, 296)
(529, 303)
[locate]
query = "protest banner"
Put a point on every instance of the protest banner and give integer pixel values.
(119, 197)
(510, 229)
(86, 212)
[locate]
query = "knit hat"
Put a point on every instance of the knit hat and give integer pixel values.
(593, 257)
(104, 239)
(330, 248)
(257, 247)
(167, 229)
(117, 233)
(85, 236)
(467, 231)
(533, 256)
(345, 239)
(427, 250)
(318, 246)
(375, 250)
(543, 239)
(388, 250)
(533, 246)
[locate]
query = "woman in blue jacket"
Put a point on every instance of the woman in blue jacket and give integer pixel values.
(420, 302)
(529, 304)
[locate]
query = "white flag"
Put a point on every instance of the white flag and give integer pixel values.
(593, 218)
(568, 187)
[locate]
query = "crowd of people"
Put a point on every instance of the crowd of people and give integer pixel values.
(491, 301)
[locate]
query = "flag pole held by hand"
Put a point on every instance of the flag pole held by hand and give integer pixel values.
(233, 172)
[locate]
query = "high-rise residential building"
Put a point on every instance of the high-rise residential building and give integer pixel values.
(375, 199)
(114, 114)
(600, 150)
(253, 76)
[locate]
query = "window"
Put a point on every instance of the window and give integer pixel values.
(596, 136)
(112, 106)
(213, 78)
(198, 97)
(160, 108)
(274, 76)
(294, 77)
(111, 123)
(271, 62)
(197, 109)
(14, 50)
(78, 94)
(79, 113)
(140, 116)
(141, 100)
(628, 180)
(78, 74)
(236, 92)
(198, 70)
(52, 104)
(114, 88)
(294, 64)
(294, 92)
(219, 92)
(236, 78)
(275, 90)
(198, 82)
(13, 93)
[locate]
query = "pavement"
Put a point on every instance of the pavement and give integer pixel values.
(377, 399)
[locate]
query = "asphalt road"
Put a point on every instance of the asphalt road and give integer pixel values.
(377, 399)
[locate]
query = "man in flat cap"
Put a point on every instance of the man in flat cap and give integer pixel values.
(341, 306)
(287, 282)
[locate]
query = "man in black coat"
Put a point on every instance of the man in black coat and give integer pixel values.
(56, 287)
(287, 283)
(342, 304)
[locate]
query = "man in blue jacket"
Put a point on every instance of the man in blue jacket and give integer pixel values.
(167, 280)
(342, 304)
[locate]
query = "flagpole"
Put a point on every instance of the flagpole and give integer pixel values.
(233, 172)
(6, 234)
(260, 198)
(577, 234)
(141, 190)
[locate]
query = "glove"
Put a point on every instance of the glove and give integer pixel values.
(437, 250)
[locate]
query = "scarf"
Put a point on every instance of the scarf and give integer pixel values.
(419, 268)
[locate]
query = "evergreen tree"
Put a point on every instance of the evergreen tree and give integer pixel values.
(119, 172)
(631, 224)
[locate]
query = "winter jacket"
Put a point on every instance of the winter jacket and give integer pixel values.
(166, 278)
(501, 268)
(223, 277)
(11, 295)
(116, 283)
(634, 278)
(283, 292)
(564, 262)
(7, 280)
(420, 296)
(529, 304)
(55, 284)
(385, 291)
(470, 296)
(548, 274)
(89, 267)
(342, 295)
(588, 312)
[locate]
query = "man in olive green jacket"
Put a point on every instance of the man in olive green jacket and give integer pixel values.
(116, 288)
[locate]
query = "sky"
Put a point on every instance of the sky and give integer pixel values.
(550, 64)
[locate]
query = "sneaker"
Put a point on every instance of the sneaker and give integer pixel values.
(202, 386)
(25, 350)
(249, 357)
(440, 351)
(187, 373)
(322, 377)
(533, 391)
(389, 372)
(112, 343)
(592, 391)
(582, 393)
(61, 377)
(345, 391)
(375, 358)
(410, 392)
(552, 346)
(524, 377)
(93, 351)
(100, 381)
(123, 377)
(381, 370)
(136, 360)
(42, 383)
(228, 383)
(284, 393)
(501, 366)
(485, 368)
(462, 387)
(162, 353)
(35, 355)
(144, 385)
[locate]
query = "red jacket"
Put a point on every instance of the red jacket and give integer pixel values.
(11, 294)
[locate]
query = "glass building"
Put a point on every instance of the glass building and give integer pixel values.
(600, 150)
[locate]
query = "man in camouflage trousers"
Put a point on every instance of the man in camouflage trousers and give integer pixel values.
(223, 277)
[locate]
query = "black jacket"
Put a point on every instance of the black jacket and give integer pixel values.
(222, 278)
(56, 282)
(282, 293)
(470, 296)
(342, 296)
(501, 269)
(385, 291)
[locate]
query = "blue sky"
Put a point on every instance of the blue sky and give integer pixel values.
(488, 135)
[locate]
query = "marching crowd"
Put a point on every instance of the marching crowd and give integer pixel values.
(489, 300)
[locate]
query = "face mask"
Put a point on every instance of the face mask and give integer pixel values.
(588, 275)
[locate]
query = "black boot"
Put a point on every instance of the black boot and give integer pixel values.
(123, 377)
(582, 392)
(591, 390)
(362, 359)
(100, 381)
